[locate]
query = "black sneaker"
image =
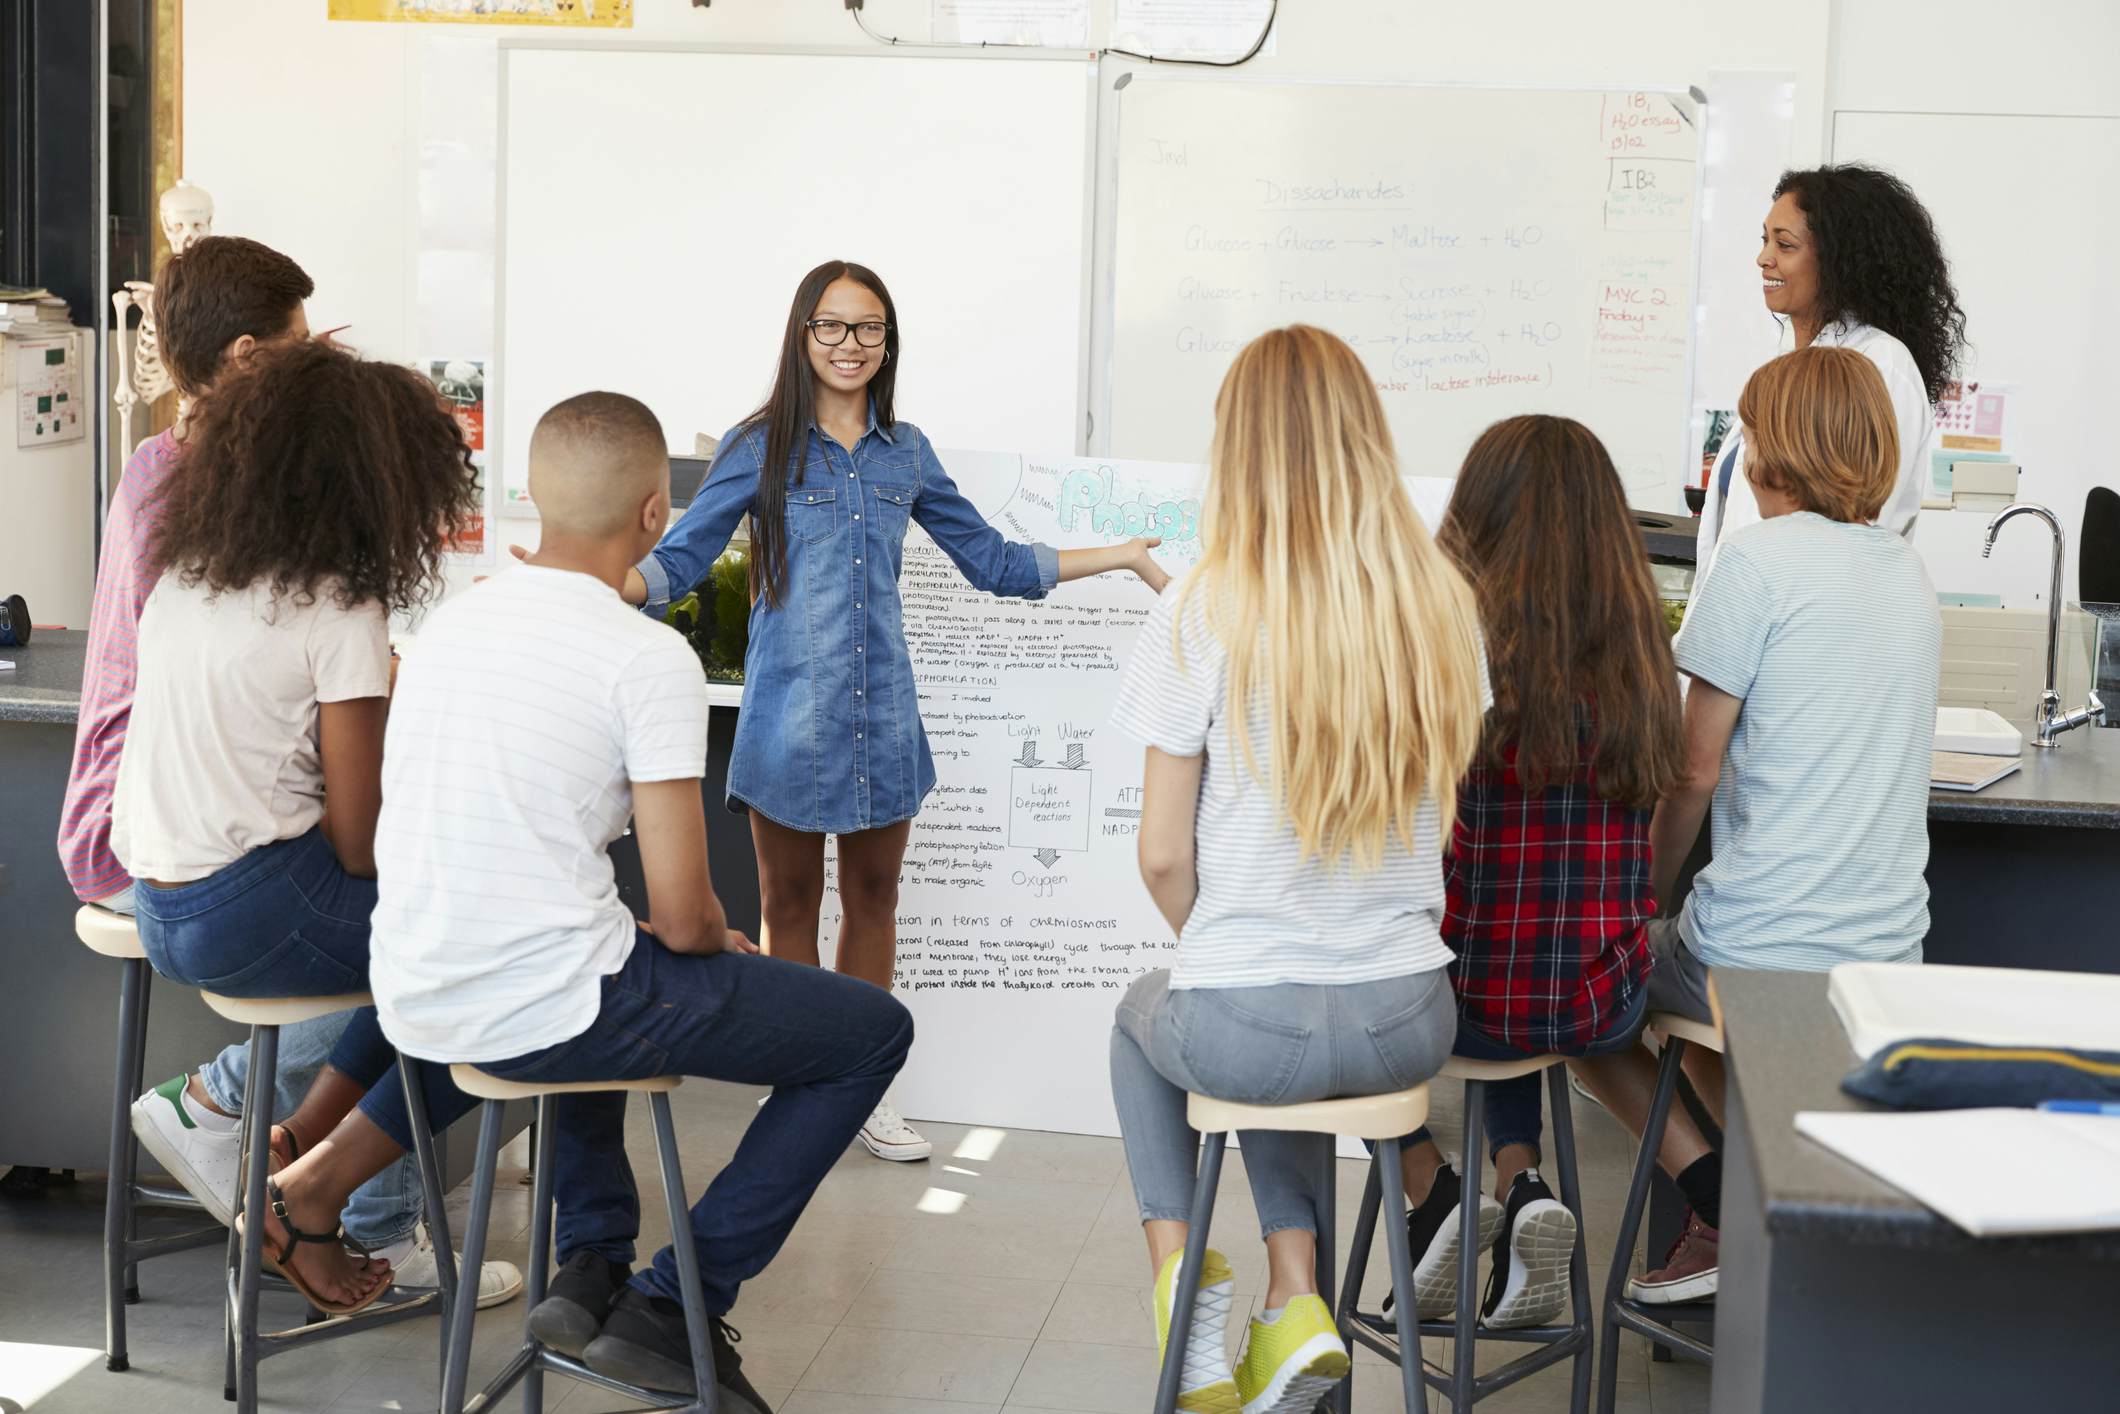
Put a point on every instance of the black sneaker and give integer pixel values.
(643, 1343)
(1432, 1237)
(1534, 1248)
(576, 1303)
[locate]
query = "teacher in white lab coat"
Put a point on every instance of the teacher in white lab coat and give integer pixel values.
(1849, 257)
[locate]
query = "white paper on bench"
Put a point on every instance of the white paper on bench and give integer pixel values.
(1995, 1173)
(1880, 1002)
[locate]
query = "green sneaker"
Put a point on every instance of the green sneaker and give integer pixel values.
(1290, 1365)
(1204, 1383)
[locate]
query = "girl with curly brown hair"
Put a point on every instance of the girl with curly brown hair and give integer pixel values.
(313, 501)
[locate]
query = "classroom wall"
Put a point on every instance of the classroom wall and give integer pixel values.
(2010, 133)
(306, 131)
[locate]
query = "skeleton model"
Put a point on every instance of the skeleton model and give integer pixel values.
(187, 214)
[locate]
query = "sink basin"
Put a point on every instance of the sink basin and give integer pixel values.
(1977, 730)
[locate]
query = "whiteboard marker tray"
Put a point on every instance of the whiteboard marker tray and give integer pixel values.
(1977, 730)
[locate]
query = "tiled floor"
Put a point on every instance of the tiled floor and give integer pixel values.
(1006, 1273)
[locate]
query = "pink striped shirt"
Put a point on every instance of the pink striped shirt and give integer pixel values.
(123, 580)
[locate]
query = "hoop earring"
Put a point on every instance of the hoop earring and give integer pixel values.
(886, 359)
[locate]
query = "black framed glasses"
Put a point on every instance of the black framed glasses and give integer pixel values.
(833, 332)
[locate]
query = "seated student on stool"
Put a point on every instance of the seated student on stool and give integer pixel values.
(310, 502)
(1813, 651)
(215, 304)
(534, 716)
(1309, 696)
(1549, 867)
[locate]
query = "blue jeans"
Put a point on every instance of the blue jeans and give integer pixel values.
(1280, 1045)
(828, 1045)
(1514, 1111)
(284, 920)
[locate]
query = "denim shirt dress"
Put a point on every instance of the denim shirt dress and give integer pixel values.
(830, 740)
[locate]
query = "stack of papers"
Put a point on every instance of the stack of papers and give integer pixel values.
(1994, 1173)
(1964, 770)
(38, 312)
(1880, 1003)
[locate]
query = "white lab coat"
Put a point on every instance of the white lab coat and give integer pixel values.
(1917, 431)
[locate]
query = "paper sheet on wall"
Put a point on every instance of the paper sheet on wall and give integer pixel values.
(569, 14)
(1205, 29)
(1056, 24)
(1022, 917)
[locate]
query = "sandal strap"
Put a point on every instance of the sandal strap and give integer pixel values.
(278, 1203)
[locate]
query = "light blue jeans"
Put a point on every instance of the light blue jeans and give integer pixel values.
(381, 1211)
(1281, 1045)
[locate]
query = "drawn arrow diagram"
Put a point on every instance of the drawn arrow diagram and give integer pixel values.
(1047, 857)
(1030, 753)
(1074, 760)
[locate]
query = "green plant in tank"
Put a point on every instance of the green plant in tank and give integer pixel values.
(716, 617)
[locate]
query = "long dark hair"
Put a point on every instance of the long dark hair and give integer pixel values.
(1539, 523)
(1881, 263)
(783, 419)
(310, 468)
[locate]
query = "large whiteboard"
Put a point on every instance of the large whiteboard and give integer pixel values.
(1488, 251)
(659, 206)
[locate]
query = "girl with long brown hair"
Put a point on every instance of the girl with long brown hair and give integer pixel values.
(1308, 696)
(1549, 873)
(830, 740)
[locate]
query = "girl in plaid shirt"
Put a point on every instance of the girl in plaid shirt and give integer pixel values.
(1549, 875)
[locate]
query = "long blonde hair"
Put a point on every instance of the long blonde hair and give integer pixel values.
(1342, 620)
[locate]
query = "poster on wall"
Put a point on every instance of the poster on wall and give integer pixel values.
(570, 14)
(462, 384)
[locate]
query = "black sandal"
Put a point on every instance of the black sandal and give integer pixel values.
(278, 1263)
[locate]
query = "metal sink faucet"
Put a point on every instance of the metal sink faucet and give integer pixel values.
(2052, 720)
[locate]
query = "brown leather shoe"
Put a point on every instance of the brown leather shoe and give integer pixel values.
(1689, 1271)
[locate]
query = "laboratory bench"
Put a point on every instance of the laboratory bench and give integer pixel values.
(1839, 1291)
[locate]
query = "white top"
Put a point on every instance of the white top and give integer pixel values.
(1830, 634)
(523, 714)
(1264, 914)
(221, 754)
(1911, 408)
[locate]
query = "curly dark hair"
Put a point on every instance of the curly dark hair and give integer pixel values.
(1880, 263)
(312, 469)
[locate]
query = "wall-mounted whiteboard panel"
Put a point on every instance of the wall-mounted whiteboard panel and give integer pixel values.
(659, 207)
(1486, 251)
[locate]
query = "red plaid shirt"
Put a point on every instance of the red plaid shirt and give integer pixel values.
(1549, 897)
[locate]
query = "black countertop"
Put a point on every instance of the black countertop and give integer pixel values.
(2074, 784)
(1788, 1052)
(45, 685)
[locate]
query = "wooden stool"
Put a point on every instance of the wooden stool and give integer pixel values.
(1461, 1382)
(532, 1360)
(114, 935)
(1678, 1033)
(1383, 1119)
(245, 1345)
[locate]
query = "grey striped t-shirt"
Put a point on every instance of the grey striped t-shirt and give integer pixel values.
(1830, 634)
(1265, 915)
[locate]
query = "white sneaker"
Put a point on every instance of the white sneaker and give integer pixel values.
(412, 1265)
(207, 1162)
(889, 1137)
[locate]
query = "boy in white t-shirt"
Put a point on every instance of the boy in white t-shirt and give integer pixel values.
(535, 716)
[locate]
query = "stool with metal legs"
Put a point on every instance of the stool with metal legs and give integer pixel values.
(114, 935)
(245, 1345)
(1382, 1119)
(532, 1360)
(1678, 1032)
(1571, 1341)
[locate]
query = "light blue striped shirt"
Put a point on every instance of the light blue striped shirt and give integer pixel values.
(1830, 634)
